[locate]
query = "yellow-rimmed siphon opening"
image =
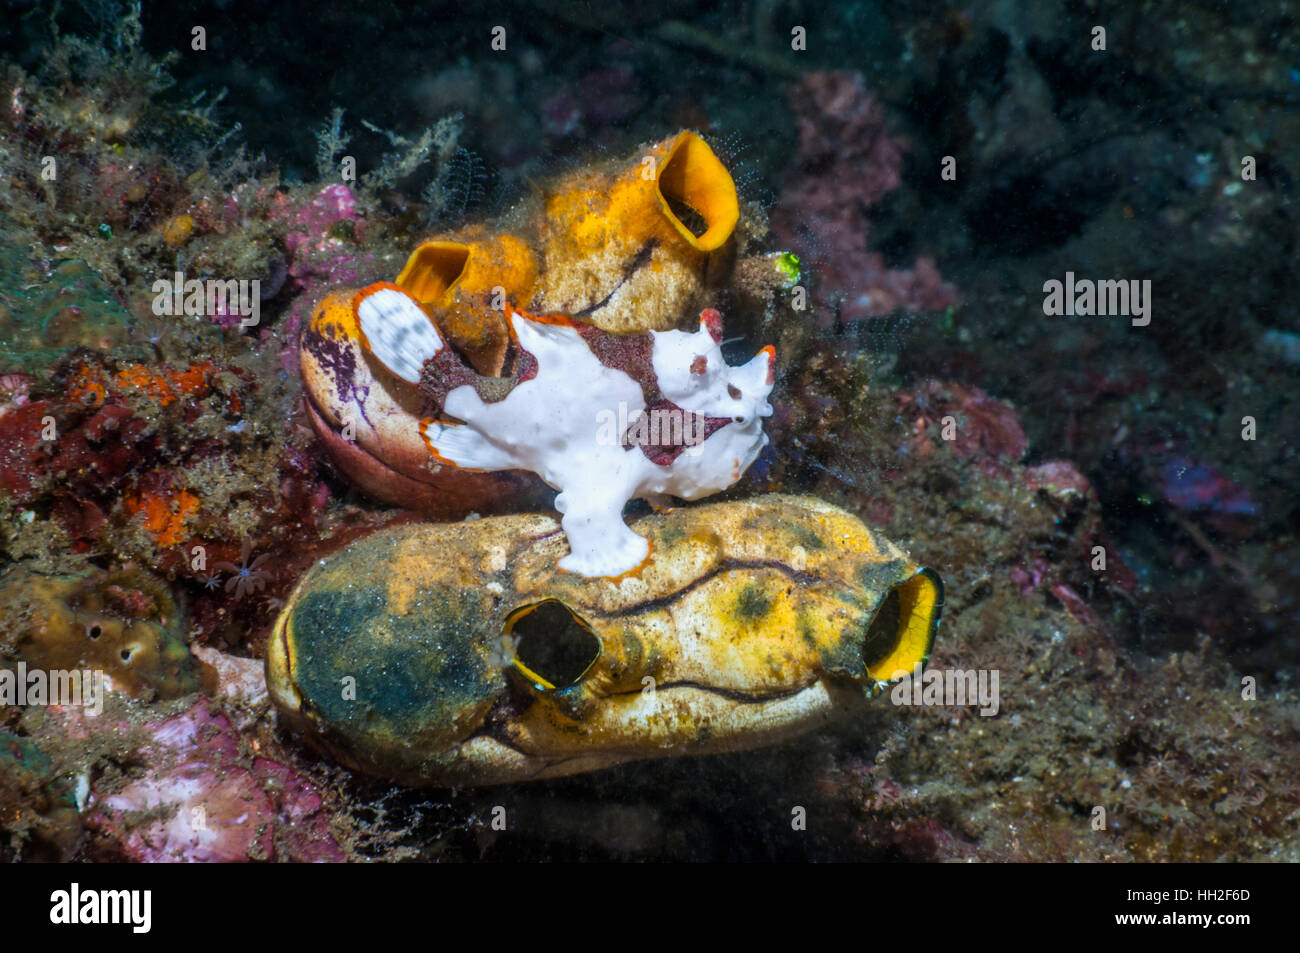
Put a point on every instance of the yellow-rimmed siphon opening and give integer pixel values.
(902, 631)
(554, 647)
(697, 193)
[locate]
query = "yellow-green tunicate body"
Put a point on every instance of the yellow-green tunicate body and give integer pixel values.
(459, 654)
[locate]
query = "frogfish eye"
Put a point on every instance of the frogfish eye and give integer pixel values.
(554, 647)
(903, 628)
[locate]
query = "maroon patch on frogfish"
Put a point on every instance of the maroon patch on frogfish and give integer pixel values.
(662, 434)
(441, 375)
(633, 354)
(668, 430)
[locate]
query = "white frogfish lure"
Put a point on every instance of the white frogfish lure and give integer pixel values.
(601, 417)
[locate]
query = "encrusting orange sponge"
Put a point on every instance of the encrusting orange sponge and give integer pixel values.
(626, 248)
(629, 247)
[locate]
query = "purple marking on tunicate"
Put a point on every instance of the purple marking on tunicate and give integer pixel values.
(341, 361)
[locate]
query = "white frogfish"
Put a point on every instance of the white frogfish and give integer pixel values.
(601, 417)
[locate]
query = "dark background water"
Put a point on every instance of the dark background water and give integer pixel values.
(1120, 163)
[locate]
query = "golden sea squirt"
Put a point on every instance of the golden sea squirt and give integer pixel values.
(640, 244)
(459, 654)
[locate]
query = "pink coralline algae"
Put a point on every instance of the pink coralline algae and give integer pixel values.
(846, 164)
(982, 429)
(14, 389)
(1059, 478)
(198, 800)
(315, 224)
(323, 238)
(323, 242)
